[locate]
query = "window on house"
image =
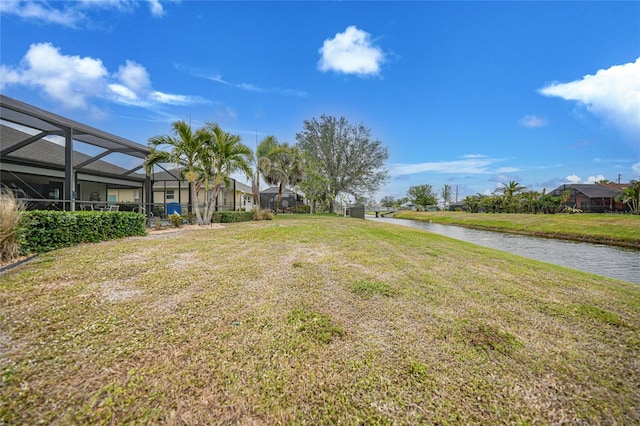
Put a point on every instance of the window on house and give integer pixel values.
(170, 194)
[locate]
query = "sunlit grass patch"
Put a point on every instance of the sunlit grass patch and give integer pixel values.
(367, 289)
(319, 327)
(484, 337)
(598, 314)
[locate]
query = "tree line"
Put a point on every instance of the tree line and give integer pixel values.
(512, 197)
(331, 157)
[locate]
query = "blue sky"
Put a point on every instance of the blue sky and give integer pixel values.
(471, 94)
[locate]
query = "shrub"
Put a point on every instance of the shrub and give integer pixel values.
(231, 216)
(300, 209)
(264, 214)
(11, 213)
(44, 230)
(176, 220)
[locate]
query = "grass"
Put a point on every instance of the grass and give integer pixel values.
(10, 216)
(621, 230)
(313, 320)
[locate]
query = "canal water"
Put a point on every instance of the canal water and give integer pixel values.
(613, 262)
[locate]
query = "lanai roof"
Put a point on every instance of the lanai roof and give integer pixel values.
(590, 190)
(48, 123)
(42, 152)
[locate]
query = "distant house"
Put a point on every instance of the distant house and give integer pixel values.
(168, 187)
(269, 198)
(592, 198)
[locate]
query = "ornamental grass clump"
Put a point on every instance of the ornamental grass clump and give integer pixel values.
(11, 211)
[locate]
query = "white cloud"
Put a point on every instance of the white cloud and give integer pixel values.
(168, 98)
(636, 169)
(467, 165)
(532, 121)
(67, 79)
(156, 8)
(134, 76)
(125, 94)
(351, 52)
(508, 169)
(594, 179)
(41, 11)
(573, 179)
(249, 87)
(71, 13)
(74, 81)
(612, 94)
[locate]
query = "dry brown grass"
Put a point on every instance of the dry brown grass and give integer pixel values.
(10, 215)
(313, 321)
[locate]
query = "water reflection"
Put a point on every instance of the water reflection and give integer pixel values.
(613, 262)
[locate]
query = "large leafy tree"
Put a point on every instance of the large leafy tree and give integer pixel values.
(314, 185)
(224, 155)
(446, 194)
(388, 201)
(348, 157)
(183, 148)
(422, 195)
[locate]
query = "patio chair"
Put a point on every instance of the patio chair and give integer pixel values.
(114, 208)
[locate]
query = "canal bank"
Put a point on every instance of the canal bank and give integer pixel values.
(615, 230)
(609, 261)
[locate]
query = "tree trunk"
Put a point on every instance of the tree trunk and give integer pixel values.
(213, 203)
(255, 188)
(196, 203)
(279, 197)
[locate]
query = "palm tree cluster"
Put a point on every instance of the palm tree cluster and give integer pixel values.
(279, 165)
(207, 157)
(513, 198)
(631, 196)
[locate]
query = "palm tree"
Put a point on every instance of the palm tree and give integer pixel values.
(225, 154)
(445, 193)
(185, 149)
(264, 152)
(631, 196)
(510, 190)
(293, 165)
(284, 167)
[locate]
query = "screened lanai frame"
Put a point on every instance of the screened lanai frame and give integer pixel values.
(48, 124)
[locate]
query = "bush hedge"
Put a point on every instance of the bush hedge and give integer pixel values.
(300, 209)
(231, 216)
(44, 230)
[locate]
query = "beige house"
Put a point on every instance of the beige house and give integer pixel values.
(168, 189)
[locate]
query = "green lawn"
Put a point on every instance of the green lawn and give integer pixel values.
(617, 229)
(313, 320)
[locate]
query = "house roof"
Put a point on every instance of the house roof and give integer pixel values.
(590, 190)
(42, 152)
(273, 191)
